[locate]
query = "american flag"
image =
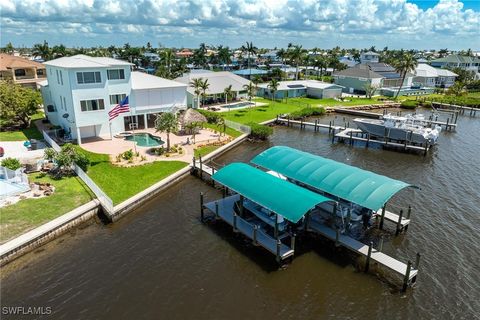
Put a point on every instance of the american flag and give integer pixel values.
(119, 108)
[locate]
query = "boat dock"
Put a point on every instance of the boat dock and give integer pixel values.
(449, 124)
(351, 135)
(315, 125)
(224, 209)
(461, 109)
(407, 271)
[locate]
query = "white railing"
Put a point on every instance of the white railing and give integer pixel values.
(238, 126)
(105, 200)
(50, 141)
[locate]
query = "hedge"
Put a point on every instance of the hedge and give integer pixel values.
(307, 112)
(259, 131)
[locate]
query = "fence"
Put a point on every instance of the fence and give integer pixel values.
(238, 126)
(105, 201)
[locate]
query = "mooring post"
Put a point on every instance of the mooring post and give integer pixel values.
(368, 140)
(255, 229)
(213, 181)
(333, 135)
(337, 237)
(307, 221)
(217, 216)
(407, 276)
(426, 149)
(201, 167)
(234, 221)
(399, 223)
(292, 241)
(193, 165)
(224, 192)
(351, 137)
(447, 126)
(241, 206)
(369, 254)
(276, 226)
(330, 127)
(279, 244)
(382, 217)
(417, 261)
(201, 207)
(316, 122)
(456, 117)
(380, 244)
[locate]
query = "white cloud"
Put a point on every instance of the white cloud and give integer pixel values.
(384, 20)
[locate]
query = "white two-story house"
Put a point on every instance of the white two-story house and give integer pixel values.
(81, 90)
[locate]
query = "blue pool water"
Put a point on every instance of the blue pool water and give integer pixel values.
(145, 140)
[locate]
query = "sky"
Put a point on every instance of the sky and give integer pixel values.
(409, 24)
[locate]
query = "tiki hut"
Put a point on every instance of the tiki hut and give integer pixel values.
(191, 120)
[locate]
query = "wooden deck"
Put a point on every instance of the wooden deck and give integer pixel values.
(392, 217)
(362, 249)
(351, 135)
(223, 208)
(316, 125)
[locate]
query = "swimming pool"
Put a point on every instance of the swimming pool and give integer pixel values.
(240, 105)
(145, 140)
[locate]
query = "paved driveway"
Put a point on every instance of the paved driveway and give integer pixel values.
(15, 149)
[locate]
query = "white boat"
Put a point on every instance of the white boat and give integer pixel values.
(410, 128)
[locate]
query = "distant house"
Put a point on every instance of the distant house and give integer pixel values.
(429, 76)
(370, 56)
(348, 60)
(301, 88)
(253, 72)
(377, 74)
(26, 72)
(270, 56)
(80, 91)
(458, 61)
(152, 56)
(184, 53)
(218, 81)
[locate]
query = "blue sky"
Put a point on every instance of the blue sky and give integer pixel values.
(420, 24)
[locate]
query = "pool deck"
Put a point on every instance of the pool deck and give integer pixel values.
(116, 146)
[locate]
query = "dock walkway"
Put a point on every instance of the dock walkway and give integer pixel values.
(362, 249)
(352, 135)
(224, 209)
(316, 125)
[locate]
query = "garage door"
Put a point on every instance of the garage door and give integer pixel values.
(331, 93)
(88, 131)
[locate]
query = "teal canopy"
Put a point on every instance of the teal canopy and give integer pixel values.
(280, 196)
(362, 187)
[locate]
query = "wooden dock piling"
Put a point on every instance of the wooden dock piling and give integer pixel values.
(202, 212)
(399, 223)
(407, 276)
(417, 260)
(369, 255)
(380, 244)
(382, 218)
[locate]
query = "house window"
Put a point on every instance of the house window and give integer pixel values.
(89, 77)
(117, 98)
(50, 108)
(40, 72)
(92, 105)
(20, 73)
(116, 74)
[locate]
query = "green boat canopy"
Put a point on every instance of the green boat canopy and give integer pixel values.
(362, 187)
(280, 196)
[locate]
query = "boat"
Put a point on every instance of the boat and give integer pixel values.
(411, 128)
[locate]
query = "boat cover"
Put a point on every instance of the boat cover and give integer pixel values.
(365, 188)
(277, 195)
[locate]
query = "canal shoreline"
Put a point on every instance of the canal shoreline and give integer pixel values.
(53, 229)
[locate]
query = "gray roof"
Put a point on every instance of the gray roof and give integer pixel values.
(370, 53)
(380, 67)
(456, 58)
(218, 81)
(298, 84)
(359, 71)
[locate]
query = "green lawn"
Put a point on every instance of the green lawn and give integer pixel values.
(121, 183)
(202, 151)
(352, 101)
(229, 131)
(70, 192)
(24, 134)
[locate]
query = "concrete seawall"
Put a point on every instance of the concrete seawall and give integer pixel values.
(39, 236)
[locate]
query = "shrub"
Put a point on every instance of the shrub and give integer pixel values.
(307, 112)
(212, 117)
(11, 163)
(409, 104)
(426, 104)
(82, 161)
(127, 155)
(260, 131)
(158, 151)
(65, 159)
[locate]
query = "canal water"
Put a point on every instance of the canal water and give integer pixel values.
(160, 262)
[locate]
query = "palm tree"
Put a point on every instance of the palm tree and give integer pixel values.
(167, 60)
(204, 87)
(224, 55)
(404, 65)
(250, 88)
(228, 93)
(59, 51)
(222, 124)
(296, 53)
(321, 63)
(273, 86)
(282, 54)
(166, 122)
(249, 49)
(196, 83)
(42, 50)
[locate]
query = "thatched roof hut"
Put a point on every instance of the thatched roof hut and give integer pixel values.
(190, 116)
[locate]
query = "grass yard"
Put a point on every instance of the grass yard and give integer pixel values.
(229, 131)
(121, 183)
(24, 134)
(70, 192)
(352, 101)
(202, 151)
